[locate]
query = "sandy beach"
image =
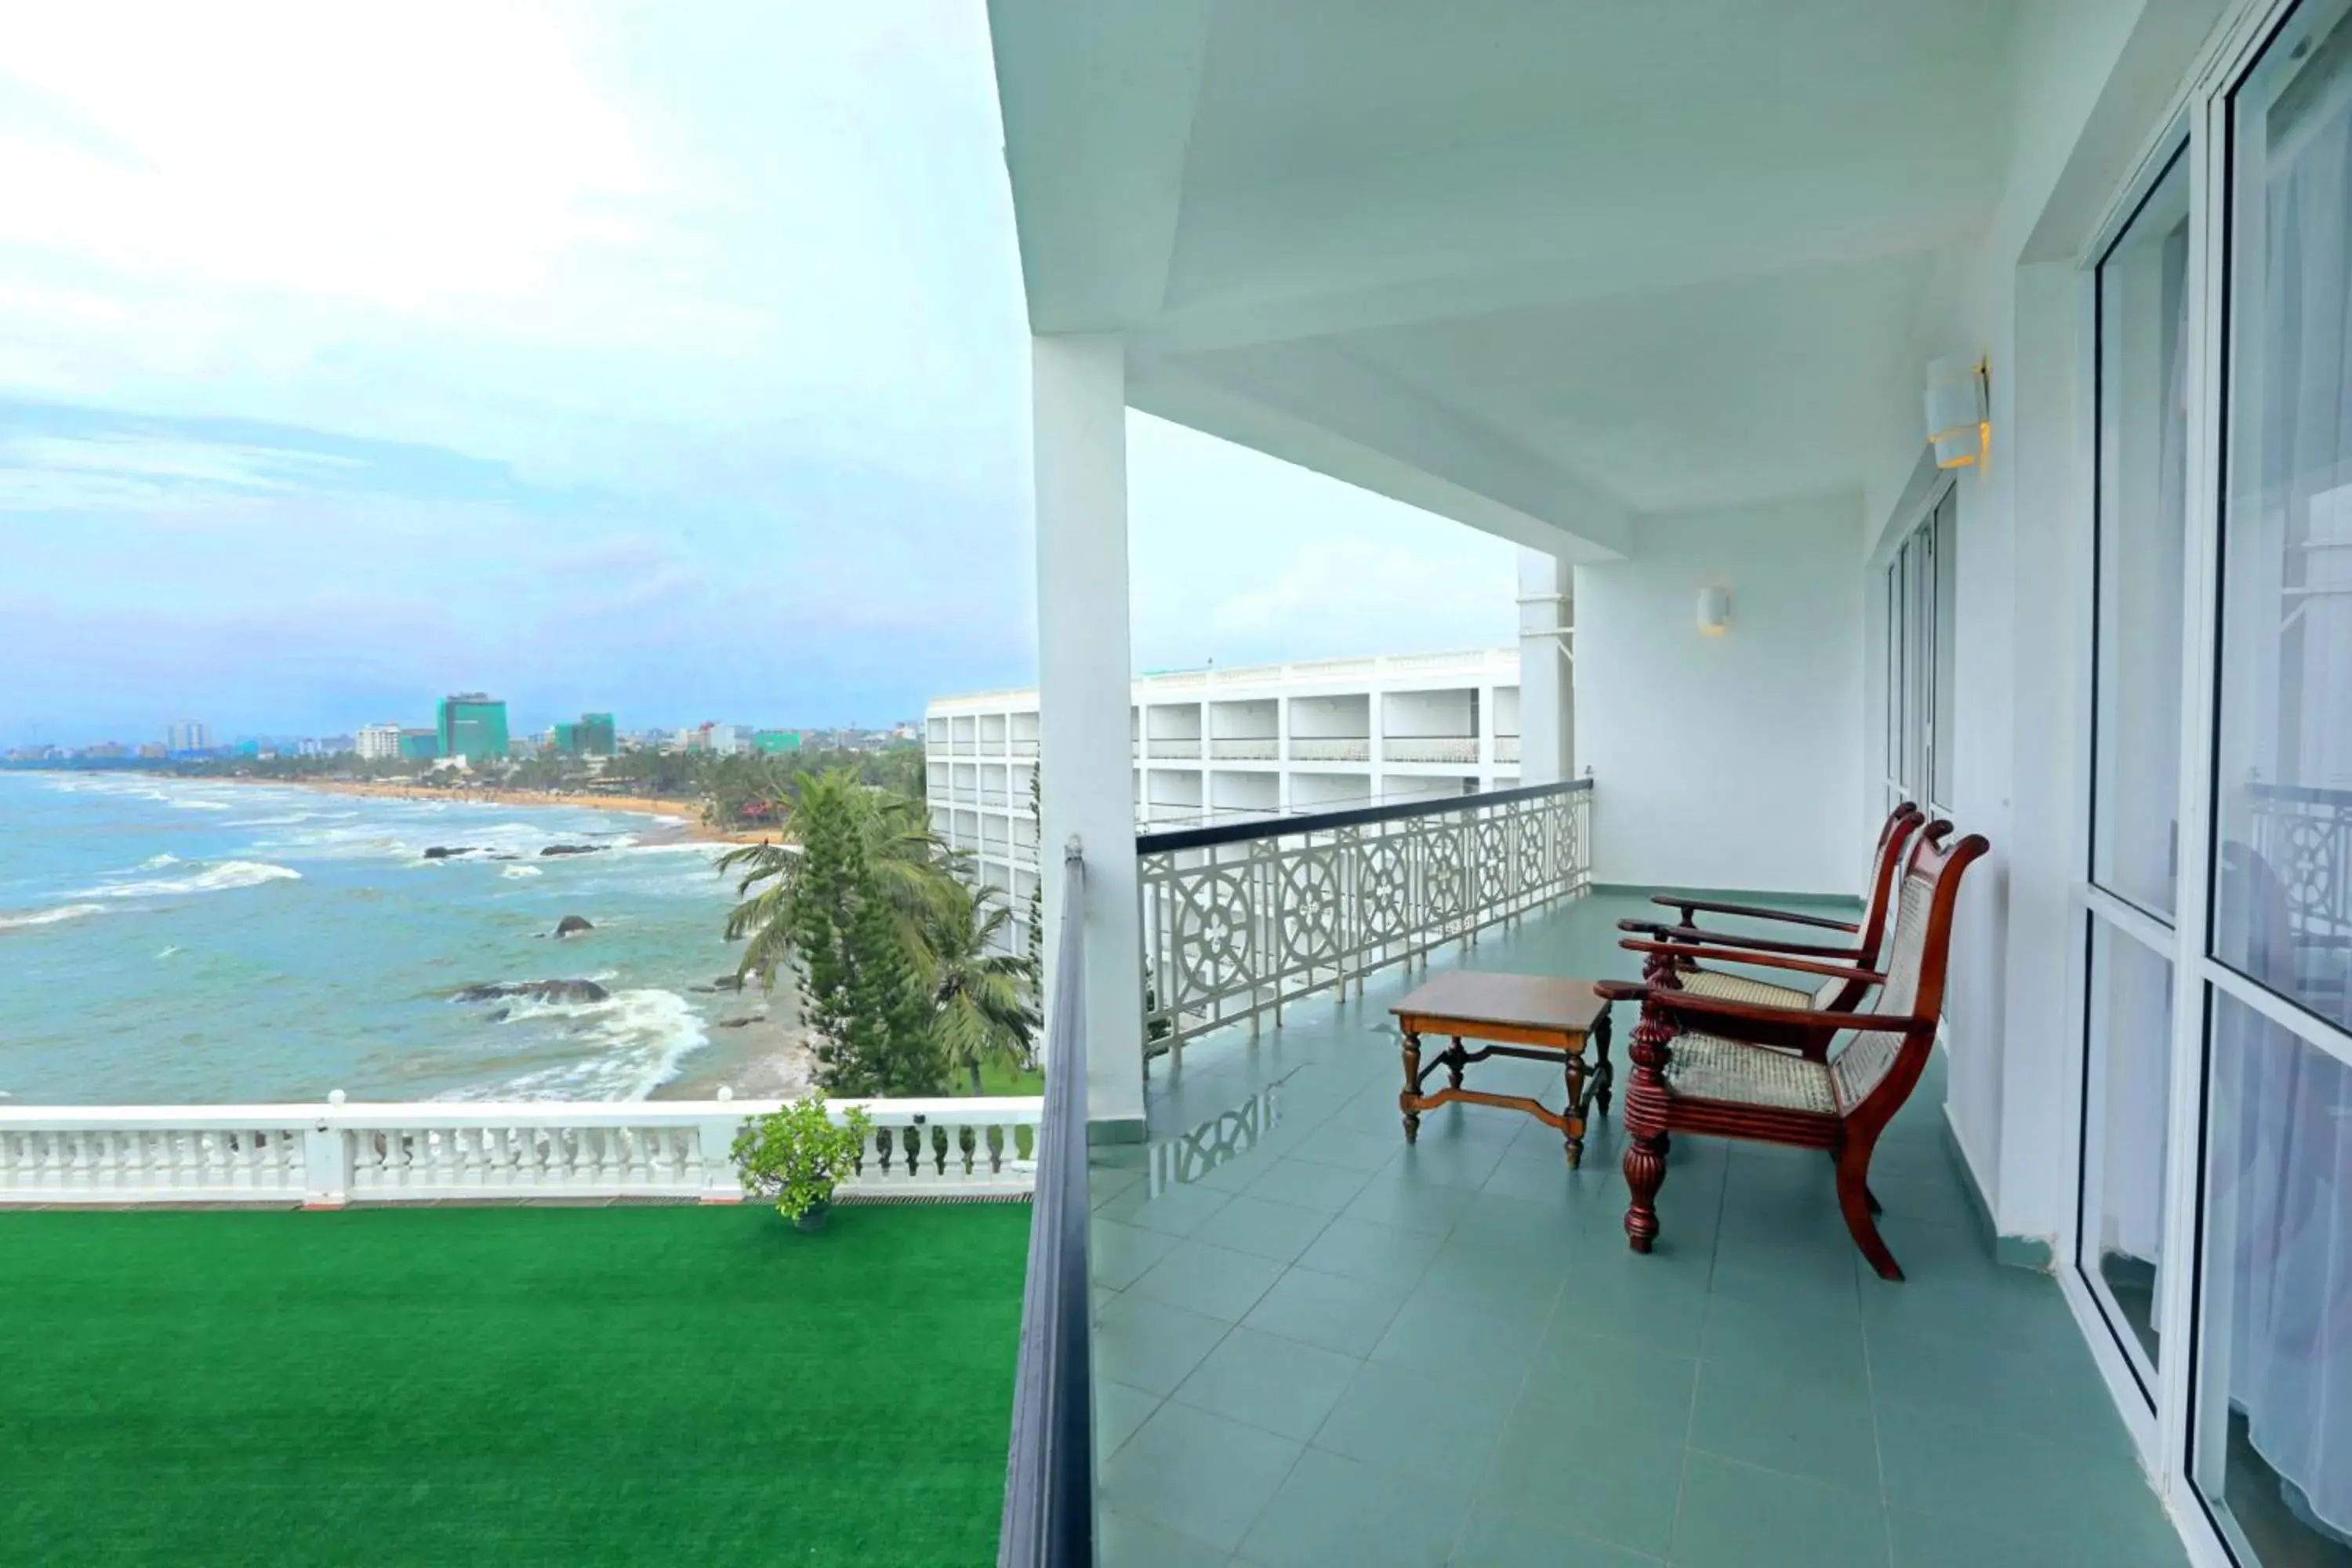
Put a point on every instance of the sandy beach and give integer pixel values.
(686, 824)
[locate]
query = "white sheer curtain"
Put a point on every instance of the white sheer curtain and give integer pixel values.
(2280, 1171)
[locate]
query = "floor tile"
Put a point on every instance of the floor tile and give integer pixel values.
(1603, 1387)
(1117, 1255)
(1496, 1538)
(1941, 1464)
(1123, 1540)
(1178, 1210)
(1199, 1474)
(1344, 1315)
(1377, 1253)
(1278, 1231)
(1733, 1516)
(1150, 1346)
(1403, 1420)
(1351, 1150)
(1332, 1510)
(1283, 1385)
(1997, 1387)
(1118, 1410)
(1215, 1281)
(1393, 1197)
(1794, 1425)
(1621, 1490)
(1824, 1347)
(1327, 1189)
(1446, 1327)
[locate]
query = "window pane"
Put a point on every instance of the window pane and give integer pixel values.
(2131, 1066)
(2273, 1396)
(2284, 804)
(2143, 522)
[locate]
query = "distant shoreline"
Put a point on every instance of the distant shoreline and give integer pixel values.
(688, 828)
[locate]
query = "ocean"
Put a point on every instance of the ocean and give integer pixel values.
(166, 940)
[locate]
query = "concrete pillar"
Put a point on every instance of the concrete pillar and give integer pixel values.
(1547, 684)
(1078, 393)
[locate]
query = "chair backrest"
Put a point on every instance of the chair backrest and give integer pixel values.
(1885, 864)
(1888, 1062)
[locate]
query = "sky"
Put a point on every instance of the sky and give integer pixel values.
(665, 360)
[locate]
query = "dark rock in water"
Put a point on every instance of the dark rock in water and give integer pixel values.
(572, 848)
(570, 924)
(542, 990)
(499, 1014)
(506, 857)
(702, 990)
(738, 1023)
(728, 982)
(449, 851)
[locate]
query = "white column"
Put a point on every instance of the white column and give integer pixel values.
(1078, 392)
(1546, 687)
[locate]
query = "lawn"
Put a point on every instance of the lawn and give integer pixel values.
(507, 1386)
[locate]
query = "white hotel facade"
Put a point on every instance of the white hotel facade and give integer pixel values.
(1227, 745)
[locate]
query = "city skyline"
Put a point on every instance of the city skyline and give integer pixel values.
(667, 368)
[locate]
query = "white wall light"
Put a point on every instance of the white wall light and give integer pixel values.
(1713, 611)
(1959, 420)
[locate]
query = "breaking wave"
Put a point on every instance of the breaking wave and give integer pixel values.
(50, 917)
(216, 879)
(633, 1040)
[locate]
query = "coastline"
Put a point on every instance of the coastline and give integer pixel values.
(686, 827)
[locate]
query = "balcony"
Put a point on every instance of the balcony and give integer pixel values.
(1507, 748)
(1245, 749)
(1430, 749)
(1319, 1345)
(1331, 748)
(1175, 748)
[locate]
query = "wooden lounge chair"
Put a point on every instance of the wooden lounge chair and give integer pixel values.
(1705, 1064)
(1848, 944)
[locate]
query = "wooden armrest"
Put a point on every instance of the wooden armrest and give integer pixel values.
(1697, 1007)
(1691, 906)
(1761, 960)
(1690, 934)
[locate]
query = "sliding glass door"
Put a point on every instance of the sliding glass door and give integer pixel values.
(2270, 1428)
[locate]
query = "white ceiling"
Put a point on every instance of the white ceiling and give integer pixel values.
(1539, 266)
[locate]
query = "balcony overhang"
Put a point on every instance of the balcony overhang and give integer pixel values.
(1540, 270)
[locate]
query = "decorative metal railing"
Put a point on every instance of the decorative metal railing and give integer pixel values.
(1049, 1476)
(1242, 918)
(338, 1152)
(2305, 835)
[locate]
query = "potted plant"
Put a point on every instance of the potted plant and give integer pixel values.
(797, 1155)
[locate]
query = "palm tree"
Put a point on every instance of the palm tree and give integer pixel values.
(909, 867)
(979, 989)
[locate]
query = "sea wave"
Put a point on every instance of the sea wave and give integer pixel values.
(633, 1042)
(272, 821)
(519, 871)
(215, 879)
(190, 803)
(50, 917)
(157, 862)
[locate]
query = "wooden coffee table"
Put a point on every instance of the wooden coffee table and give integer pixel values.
(1532, 1016)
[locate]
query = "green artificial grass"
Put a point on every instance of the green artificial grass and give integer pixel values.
(508, 1385)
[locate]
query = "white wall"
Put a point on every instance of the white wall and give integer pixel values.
(1731, 761)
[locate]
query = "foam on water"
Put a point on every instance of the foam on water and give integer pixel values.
(519, 871)
(50, 917)
(217, 878)
(627, 1045)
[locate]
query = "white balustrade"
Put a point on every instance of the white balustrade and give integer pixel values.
(1430, 749)
(341, 1152)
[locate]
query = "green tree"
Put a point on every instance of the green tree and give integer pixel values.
(979, 991)
(851, 895)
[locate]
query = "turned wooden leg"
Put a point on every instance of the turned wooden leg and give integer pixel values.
(1605, 1073)
(1407, 1100)
(1453, 1065)
(1574, 1131)
(1646, 1173)
(1854, 1202)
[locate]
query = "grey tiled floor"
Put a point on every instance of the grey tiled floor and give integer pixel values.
(1329, 1349)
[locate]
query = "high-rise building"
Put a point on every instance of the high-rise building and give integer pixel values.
(378, 742)
(773, 741)
(420, 745)
(187, 735)
(567, 739)
(596, 735)
(473, 725)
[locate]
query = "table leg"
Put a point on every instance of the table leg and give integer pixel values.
(1407, 1100)
(1575, 1073)
(1604, 1076)
(1454, 1063)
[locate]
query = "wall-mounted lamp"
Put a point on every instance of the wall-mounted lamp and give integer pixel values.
(1959, 418)
(1713, 612)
